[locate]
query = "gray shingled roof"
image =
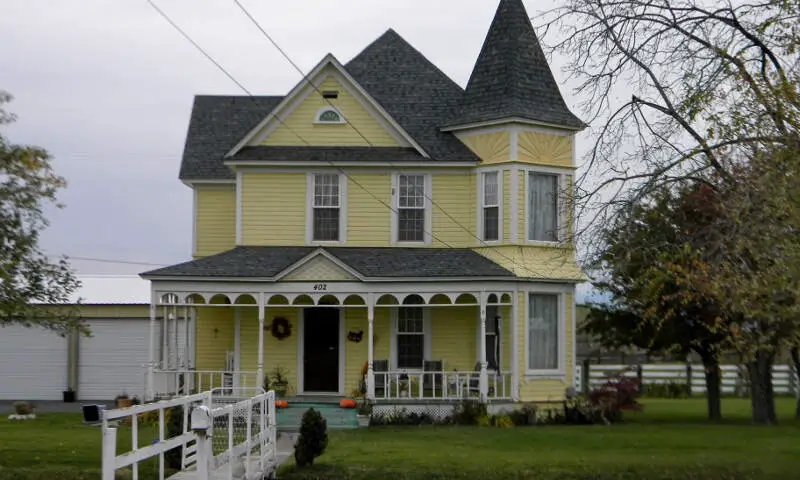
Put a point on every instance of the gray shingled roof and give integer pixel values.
(414, 92)
(512, 77)
(266, 262)
(328, 154)
(217, 124)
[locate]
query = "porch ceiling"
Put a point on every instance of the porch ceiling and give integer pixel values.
(270, 263)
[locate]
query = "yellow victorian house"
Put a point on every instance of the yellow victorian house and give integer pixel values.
(379, 228)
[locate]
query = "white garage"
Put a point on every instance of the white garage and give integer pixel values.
(33, 364)
(112, 360)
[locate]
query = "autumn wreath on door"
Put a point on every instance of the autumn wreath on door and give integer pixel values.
(281, 328)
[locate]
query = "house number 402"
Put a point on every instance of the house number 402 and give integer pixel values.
(321, 287)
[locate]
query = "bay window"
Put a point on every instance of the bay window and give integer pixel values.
(490, 207)
(543, 207)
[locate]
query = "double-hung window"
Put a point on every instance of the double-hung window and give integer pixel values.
(410, 337)
(543, 333)
(490, 208)
(543, 207)
(412, 208)
(326, 208)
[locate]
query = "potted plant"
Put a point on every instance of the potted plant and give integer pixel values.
(280, 381)
(364, 413)
(123, 400)
(23, 411)
(68, 395)
(403, 386)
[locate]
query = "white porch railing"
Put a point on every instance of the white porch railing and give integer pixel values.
(242, 443)
(415, 386)
(169, 383)
(111, 461)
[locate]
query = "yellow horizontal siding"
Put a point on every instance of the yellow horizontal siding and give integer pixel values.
(489, 147)
(281, 353)
(274, 209)
(453, 337)
(542, 390)
(369, 220)
(355, 354)
(545, 149)
(299, 129)
(215, 221)
(214, 337)
(454, 194)
(533, 261)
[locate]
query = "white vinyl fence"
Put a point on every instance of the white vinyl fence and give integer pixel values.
(784, 378)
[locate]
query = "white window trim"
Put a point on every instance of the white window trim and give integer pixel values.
(500, 202)
(560, 372)
(428, 236)
(310, 209)
(560, 206)
(426, 329)
(322, 110)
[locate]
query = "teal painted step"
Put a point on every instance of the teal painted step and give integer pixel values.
(338, 418)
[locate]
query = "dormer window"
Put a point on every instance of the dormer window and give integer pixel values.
(329, 115)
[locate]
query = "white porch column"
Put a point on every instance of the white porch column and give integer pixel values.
(237, 342)
(186, 339)
(512, 320)
(370, 348)
(150, 393)
(261, 314)
(164, 338)
(484, 375)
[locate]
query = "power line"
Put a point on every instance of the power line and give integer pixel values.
(307, 80)
(105, 260)
(196, 45)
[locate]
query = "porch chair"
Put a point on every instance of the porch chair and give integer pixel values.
(432, 382)
(475, 382)
(380, 380)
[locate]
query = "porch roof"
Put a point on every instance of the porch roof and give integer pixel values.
(368, 262)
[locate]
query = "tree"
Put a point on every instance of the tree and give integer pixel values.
(649, 252)
(713, 88)
(29, 280)
(313, 438)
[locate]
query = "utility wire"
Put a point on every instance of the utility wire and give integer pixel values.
(307, 80)
(105, 260)
(208, 56)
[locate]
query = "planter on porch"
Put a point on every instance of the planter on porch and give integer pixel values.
(363, 421)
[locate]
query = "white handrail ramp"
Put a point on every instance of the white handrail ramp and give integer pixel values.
(241, 445)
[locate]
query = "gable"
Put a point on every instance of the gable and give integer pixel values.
(489, 147)
(545, 149)
(319, 269)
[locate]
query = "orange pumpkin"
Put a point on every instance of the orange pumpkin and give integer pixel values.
(347, 403)
(281, 404)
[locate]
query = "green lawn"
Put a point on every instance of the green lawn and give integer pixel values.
(669, 440)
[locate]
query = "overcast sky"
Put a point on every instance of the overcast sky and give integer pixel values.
(107, 87)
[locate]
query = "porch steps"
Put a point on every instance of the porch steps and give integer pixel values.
(290, 418)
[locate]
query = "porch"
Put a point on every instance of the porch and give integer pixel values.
(397, 346)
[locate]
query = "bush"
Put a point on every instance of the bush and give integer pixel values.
(469, 413)
(403, 418)
(617, 394)
(669, 389)
(313, 438)
(524, 416)
(503, 421)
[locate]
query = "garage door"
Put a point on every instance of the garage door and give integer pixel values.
(33, 364)
(111, 361)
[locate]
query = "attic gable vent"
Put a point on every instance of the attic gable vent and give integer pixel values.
(332, 94)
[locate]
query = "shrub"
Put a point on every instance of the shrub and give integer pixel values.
(503, 421)
(403, 418)
(524, 416)
(23, 408)
(313, 438)
(617, 394)
(469, 413)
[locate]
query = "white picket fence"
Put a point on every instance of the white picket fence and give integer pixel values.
(240, 444)
(784, 378)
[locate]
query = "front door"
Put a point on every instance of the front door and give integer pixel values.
(321, 350)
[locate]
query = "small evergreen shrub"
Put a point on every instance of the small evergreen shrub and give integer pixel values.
(524, 416)
(313, 438)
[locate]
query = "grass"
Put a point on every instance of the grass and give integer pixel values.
(669, 440)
